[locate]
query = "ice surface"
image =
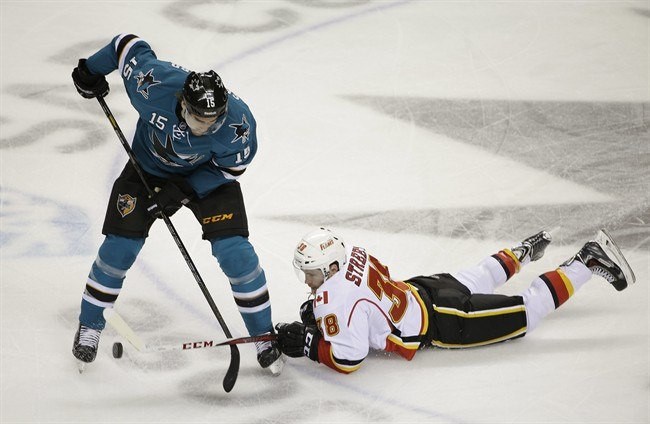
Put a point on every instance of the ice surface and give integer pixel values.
(434, 133)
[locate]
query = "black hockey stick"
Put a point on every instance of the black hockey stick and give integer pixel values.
(233, 370)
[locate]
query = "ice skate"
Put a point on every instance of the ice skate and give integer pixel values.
(532, 248)
(603, 258)
(85, 345)
(270, 357)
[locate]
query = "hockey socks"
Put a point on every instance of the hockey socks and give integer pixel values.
(240, 263)
(116, 255)
(552, 289)
(508, 261)
(491, 273)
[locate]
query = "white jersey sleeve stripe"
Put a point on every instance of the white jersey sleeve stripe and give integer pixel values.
(228, 176)
(124, 53)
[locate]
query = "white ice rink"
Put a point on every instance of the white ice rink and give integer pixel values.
(433, 132)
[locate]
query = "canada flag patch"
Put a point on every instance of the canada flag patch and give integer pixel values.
(321, 299)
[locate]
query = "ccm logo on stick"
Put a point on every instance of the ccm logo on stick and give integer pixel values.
(197, 345)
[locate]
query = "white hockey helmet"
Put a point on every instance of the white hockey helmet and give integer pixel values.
(319, 249)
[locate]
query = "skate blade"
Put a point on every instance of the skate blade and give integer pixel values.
(611, 248)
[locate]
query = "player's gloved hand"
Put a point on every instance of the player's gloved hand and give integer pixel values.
(307, 313)
(87, 84)
(297, 339)
(167, 199)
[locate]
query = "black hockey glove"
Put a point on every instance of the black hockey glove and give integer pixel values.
(169, 199)
(297, 339)
(87, 84)
(307, 313)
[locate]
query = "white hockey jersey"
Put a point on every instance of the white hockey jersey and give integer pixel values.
(361, 308)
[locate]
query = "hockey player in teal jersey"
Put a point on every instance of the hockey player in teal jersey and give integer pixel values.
(193, 139)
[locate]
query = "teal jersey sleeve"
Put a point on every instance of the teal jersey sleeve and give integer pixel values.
(117, 53)
(233, 154)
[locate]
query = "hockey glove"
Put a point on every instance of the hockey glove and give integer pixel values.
(297, 339)
(87, 84)
(307, 313)
(169, 199)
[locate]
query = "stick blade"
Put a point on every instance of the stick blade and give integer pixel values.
(233, 370)
(123, 329)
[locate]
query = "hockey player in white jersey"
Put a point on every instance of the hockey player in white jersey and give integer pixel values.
(357, 305)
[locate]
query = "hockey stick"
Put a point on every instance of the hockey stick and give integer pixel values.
(123, 329)
(233, 370)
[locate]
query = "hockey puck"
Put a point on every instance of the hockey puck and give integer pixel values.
(117, 350)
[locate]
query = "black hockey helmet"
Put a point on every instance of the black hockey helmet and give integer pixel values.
(205, 94)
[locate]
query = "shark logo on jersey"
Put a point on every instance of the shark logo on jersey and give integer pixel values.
(242, 130)
(126, 204)
(145, 82)
(167, 155)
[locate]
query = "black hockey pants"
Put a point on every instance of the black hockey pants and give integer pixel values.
(460, 319)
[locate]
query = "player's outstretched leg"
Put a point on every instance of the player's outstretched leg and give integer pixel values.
(603, 258)
(552, 289)
(85, 343)
(495, 270)
(532, 248)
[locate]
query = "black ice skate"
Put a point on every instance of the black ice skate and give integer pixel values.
(269, 356)
(603, 258)
(85, 345)
(532, 248)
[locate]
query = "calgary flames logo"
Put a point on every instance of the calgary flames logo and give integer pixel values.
(327, 244)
